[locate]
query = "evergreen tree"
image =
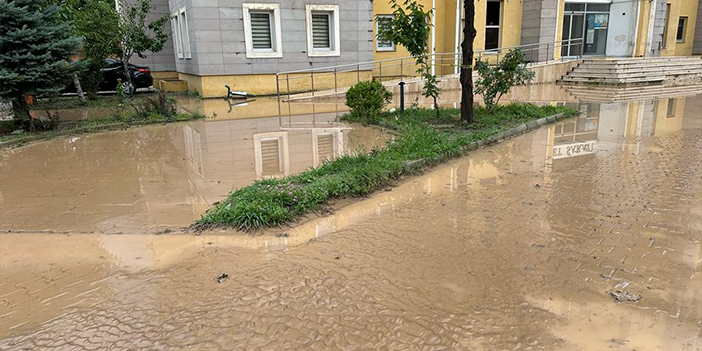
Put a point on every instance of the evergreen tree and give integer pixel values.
(35, 52)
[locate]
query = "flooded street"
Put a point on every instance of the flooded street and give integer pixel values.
(160, 178)
(513, 247)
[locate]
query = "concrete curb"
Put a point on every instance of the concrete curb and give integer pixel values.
(493, 139)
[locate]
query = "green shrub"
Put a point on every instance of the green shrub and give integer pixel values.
(157, 107)
(497, 80)
(366, 100)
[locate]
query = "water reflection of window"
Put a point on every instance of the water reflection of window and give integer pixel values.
(193, 149)
(271, 152)
(682, 28)
(671, 108)
(326, 145)
(271, 162)
(583, 128)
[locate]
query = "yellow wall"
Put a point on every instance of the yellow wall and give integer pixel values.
(510, 33)
(642, 31)
(265, 84)
(163, 75)
(559, 28)
(677, 9)
(665, 124)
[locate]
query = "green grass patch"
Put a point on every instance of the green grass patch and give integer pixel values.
(72, 102)
(421, 136)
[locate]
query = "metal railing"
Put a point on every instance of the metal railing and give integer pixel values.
(334, 79)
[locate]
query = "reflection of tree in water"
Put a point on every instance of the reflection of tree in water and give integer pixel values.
(159, 150)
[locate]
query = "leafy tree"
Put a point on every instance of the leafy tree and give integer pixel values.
(469, 34)
(497, 80)
(137, 36)
(35, 52)
(97, 22)
(410, 28)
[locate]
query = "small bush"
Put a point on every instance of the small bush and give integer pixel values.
(156, 107)
(497, 80)
(366, 100)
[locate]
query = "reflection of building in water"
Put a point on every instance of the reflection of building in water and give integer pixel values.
(242, 151)
(612, 122)
(221, 109)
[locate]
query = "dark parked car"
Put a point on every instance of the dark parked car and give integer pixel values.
(113, 72)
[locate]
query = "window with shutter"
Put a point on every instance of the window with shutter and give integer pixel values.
(325, 148)
(270, 157)
(175, 26)
(185, 34)
(321, 34)
(261, 35)
(383, 23)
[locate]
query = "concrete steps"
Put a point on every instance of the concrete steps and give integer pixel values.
(605, 93)
(655, 70)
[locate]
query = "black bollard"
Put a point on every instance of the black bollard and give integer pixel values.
(402, 99)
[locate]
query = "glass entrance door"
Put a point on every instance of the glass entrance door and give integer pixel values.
(596, 34)
(572, 29)
(587, 22)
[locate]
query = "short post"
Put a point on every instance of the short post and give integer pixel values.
(287, 83)
(358, 73)
(312, 78)
(380, 69)
(401, 74)
(277, 88)
(336, 85)
(402, 99)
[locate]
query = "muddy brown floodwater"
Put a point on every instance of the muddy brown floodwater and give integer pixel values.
(514, 247)
(160, 178)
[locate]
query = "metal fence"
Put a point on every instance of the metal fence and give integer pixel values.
(335, 79)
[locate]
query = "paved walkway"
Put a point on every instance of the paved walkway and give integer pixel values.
(516, 247)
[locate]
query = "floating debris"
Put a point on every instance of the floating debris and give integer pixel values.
(623, 296)
(220, 278)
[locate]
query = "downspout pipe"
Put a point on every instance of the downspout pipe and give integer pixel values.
(457, 47)
(433, 37)
(649, 32)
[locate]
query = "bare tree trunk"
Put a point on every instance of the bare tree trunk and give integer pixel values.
(79, 89)
(467, 64)
(20, 110)
(125, 64)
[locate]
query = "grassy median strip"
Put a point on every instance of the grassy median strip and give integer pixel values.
(420, 136)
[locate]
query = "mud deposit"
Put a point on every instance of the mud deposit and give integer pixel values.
(159, 178)
(515, 247)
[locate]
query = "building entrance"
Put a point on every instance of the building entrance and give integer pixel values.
(586, 21)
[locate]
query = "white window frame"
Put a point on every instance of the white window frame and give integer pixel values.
(277, 39)
(377, 31)
(335, 36)
(175, 29)
(498, 27)
(685, 20)
(282, 138)
(185, 32)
